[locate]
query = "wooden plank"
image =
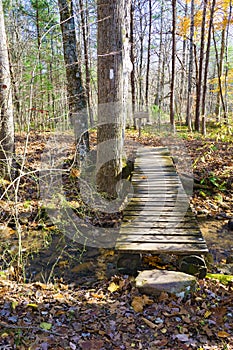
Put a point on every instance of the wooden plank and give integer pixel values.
(137, 225)
(152, 214)
(157, 207)
(159, 239)
(157, 231)
(155, 183)
(157, 194)
(157, 248)
(156, 201)
(162, 218)
(162, 206)
(156, 218)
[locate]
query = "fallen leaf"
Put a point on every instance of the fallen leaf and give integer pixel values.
(149, 323)
(82, 267)
(46, 326)
(182, 337)
(58, 296)
(163, 330)
(113, 287)
(75, 172)
(207, 314)
(14, 304)
(92, 344)
(139, 302)
(33, 306)
(223, 334)
(163, 296)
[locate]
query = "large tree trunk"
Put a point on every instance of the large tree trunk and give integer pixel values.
(86, 59)
(203, 107)
(219, 60)
(127, 64)
(183, 90)
(110, 95)
(172, 96)
(201, 60)
(190, 71)
(140, 73)
(6, 105)
(161, 67)
(148, 55)
(76, 94)
(132, 57)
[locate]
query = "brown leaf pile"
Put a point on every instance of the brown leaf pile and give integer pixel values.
(39, 316)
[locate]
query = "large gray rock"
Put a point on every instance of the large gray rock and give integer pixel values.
(153, 282)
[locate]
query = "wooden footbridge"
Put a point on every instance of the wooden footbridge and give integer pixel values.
(158, 218)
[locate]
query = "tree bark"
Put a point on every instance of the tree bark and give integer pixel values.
(190, 73)
(110, 95)
(141, 40)
(220, 98)
(6, 105)
(201, 60)
(206, 68)
(76, 94)
(86, 59)
(173, 77)
(132, 57)
(148, 56)
(183, 90)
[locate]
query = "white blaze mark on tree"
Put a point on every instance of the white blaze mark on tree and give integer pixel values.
(111, 74)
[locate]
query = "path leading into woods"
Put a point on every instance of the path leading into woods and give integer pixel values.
(158, 218)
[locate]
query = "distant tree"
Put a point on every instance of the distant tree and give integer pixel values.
(203, 106)
(200, 69)
(75, 90)
(173, 77)
(132, 57)
(6, 106)
(148, 55)
(190, 69)
(84, 19)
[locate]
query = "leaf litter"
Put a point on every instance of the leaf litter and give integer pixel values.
(95, 307)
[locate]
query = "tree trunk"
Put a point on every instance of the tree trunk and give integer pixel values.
(127, 64)
(190, 72)
(148, 55)
(110, 95)
(206, 67)
(201, 60)
(76, 95)
(141, 40)
(6, 105)
(220, 98)
(86, 59)
(183, 75)
(132, 57)
(161, 65)
(172, 96)
(227, 64)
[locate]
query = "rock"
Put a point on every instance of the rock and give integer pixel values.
(229, 259)
(128, 264)
(153, 282)
(193, 265)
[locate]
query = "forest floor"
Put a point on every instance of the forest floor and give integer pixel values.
(58, 295)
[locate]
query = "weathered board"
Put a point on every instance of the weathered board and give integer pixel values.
(158, 218)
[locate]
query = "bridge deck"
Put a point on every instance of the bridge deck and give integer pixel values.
(158, 218)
